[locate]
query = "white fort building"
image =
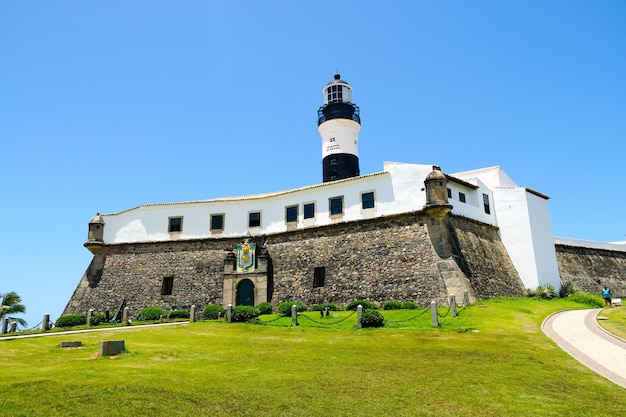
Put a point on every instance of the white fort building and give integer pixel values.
(407, 233)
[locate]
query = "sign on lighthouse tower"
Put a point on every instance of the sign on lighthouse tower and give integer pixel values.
(339, 125)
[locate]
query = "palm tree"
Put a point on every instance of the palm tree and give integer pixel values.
(11, 304)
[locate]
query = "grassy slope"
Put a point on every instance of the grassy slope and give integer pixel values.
(616, 321)
(492, 360)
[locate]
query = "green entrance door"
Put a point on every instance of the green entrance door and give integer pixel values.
(245, 293)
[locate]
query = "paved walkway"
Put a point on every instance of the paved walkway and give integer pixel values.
(578, 333)
(12, 336)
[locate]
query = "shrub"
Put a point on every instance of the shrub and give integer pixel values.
(285, 308)
(367, 305)
(372, 318)
(179, 314)
(71, 320)
(97, 319)
(150, 313)
(265, 307)
(531, 293)
(320, 307)
(591, 299)
(392, 305)
(569, 288)
(546, 291)
(409, 305)
(244, 313)
(212, 311)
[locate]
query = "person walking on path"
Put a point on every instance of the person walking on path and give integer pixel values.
(606, 294)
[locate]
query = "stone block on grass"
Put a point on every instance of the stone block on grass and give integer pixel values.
(111, 347)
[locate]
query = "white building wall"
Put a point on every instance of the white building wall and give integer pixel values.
(543, 241)
(396, 191)
(514, 223)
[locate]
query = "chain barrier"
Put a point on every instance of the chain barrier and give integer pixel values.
(410, 318)
(276, 319)
(446, 313)
(334, 322)
(34, 327)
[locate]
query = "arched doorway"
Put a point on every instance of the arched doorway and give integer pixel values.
(245, 293)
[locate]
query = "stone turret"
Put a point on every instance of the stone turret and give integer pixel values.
(436, 185)
(95, 237)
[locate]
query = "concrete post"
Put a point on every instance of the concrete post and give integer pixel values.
(294, 316)
(359, 312)
(45, 325)
(229, 312)
(125, 316)
(192, 314)
(434, 315)
(5, 325)
(89, 314)
(453, 304)
(466, 301)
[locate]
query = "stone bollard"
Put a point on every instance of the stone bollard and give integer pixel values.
(433, 311)
(229, 312)
(466, 301)
(192, 314)
(359, 312)
(453, 304)
(89, 314)
(5, 325)
(125, 317)
(294, 316)
(45, 325)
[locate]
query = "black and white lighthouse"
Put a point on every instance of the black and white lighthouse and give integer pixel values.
(339, 125)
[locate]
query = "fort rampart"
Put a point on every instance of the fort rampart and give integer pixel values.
(408, 257)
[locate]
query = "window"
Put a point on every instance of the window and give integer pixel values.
(367, 200)
(217, 222)
(167, 286)
(291, 214)
(486, 203)
(175, 224)
(254, 219)
(309, 210)
(319, 276)
(334, 93)
(461, 197)
(449, 193)
(335, 205)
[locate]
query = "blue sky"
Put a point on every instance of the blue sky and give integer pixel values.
(108, 105)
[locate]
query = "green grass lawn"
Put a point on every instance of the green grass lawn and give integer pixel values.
(615, 321)
(491, 360)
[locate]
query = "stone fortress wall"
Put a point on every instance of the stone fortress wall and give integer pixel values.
(590, 268)
(408, 257)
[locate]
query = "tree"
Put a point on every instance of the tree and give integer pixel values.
(12, 304)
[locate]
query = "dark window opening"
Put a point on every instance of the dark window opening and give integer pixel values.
(336, 205)
(449, 193)
(254, 219)
(291, 214)
(167, 286)
(217, 222)
(367, 200)
(462, 197)
(319, 276)
(309, 211)
(176, 224)
(486, 204)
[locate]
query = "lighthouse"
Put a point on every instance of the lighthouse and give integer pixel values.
(338, 123)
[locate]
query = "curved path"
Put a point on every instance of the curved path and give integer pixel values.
(578, 333)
